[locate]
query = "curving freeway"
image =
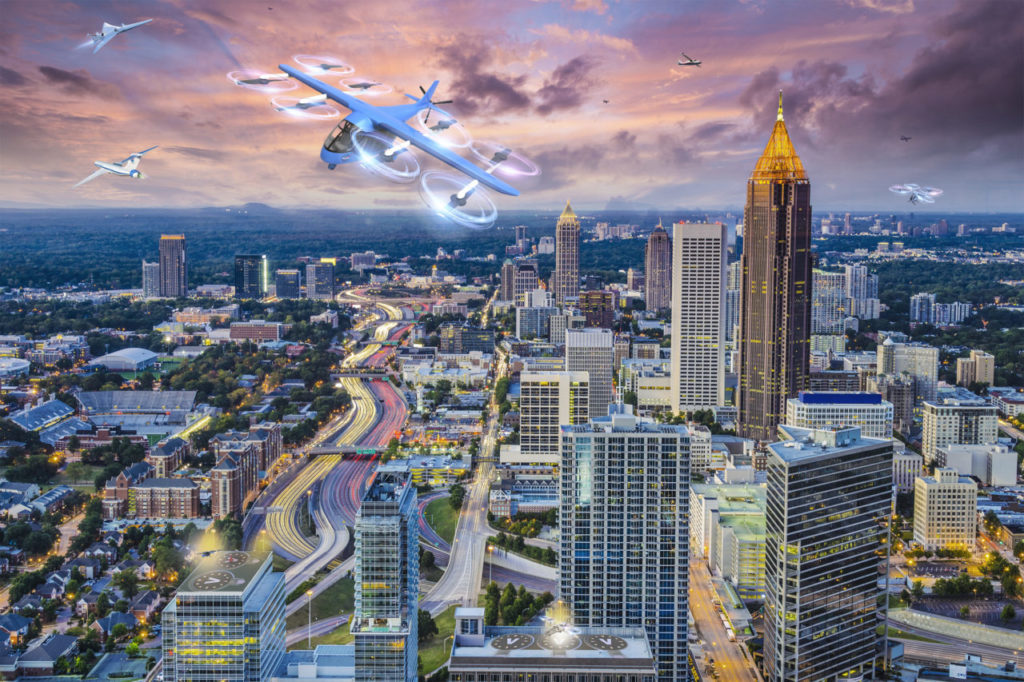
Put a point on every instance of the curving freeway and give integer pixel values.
(282, 522)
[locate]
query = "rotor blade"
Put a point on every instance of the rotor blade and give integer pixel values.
(427, 117)
(422, 90)
(444, 101)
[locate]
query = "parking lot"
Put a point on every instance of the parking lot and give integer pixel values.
(115, 666)
(937, 569)
(985, 611)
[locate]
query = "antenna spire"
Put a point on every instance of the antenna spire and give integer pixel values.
(780, 107)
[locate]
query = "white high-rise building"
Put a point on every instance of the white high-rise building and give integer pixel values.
(862, 292)
(918, 360)
(828, 302)
(906, 467)
(980, 367)
(733, 282)
(624, 555)
(150, 280)
(921, 308)
(548, 400)
(838, 410)
(957, 417)
(698, 329)
(591, 350)
(945, 510)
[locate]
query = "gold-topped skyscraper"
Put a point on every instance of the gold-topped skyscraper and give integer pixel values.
(566, 277)
(775, 300)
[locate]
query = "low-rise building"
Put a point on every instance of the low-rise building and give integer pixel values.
(945, 511)
(957, 416)
(727, 529)
(993, 465)
(166, 498)
(834, 410)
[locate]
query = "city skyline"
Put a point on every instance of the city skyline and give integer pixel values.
(945, 74)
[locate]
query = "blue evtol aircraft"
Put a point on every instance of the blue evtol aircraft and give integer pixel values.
(340, 147)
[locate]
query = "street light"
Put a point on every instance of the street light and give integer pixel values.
(490, 566)
(309, 624)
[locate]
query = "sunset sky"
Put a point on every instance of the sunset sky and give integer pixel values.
(531, 74)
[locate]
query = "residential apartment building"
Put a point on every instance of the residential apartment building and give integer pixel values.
(945, 511)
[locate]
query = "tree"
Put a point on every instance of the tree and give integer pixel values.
(127, 581)
(426, 625)
(132, 649)
(629, 397)
(1008, 612)
(992, 523)
(918, 590)
(119, 631)
(427, 561)
(965, 612)
(457, 496)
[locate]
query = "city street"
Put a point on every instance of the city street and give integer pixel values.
(730, 660)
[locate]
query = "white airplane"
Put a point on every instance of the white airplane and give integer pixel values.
(690, 61)
(108, 32)
(128, 167)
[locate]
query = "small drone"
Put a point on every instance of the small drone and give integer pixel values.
(917, 193)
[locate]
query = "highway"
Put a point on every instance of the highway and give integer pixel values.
(950, 649)
(461, 582)
(729, 659)
(282, 519)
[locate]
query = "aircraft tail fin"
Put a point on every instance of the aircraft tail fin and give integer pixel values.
(428, 94)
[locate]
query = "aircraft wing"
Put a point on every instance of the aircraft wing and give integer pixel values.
(95, 174)
(136, 154)
(442, 153)
(367, 114)
(128, 27)
(103, 41)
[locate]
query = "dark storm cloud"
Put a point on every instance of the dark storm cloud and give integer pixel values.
(11, 77)
(712, 131)
(478, 87)
(567, 86)
(958, 94)
(474, 87)
(74, 82)
(561, 166)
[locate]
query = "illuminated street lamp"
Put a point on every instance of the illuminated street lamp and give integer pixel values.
(309, 624)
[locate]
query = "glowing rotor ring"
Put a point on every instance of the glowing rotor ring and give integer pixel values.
(262, 81)
(504, 160)
(443, 128)
(386, 157)
(295, 107)
(365, 86)
(323, 64)
(441, 192)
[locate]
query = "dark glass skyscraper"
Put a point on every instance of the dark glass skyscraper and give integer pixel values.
(775, 301)
(828, 495)
(288, 283)
(658, 270)
(251, 275)
(173, 266)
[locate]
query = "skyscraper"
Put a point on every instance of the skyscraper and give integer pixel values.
(733, 286)
(226, 621)
(566, 277)
(150, 280)
(548, 400)
(828, 495)
(387, 579)
(698, 335)
(624, 520)
(252, 275)
(320, 281)
(775, 305)
(288, 283)
(828, 307)
(598, 307)
(173, 266)
(524, 279)
(919, 360)
(506, 292)
(658, 270)
(592, 351)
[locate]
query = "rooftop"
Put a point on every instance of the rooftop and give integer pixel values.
(517, 648)
(144, 401)
(779, 162)
(35, 418)
(224, 572)
(804, 444)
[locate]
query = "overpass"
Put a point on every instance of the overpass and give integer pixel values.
(347, 451)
